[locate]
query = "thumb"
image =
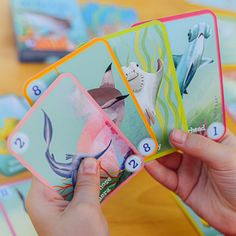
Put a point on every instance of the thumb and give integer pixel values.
(214, 154)
(88, 183)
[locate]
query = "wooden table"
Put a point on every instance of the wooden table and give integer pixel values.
(142, 207)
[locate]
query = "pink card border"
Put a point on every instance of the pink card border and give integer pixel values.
(9, 224)
(2, 208)
(35, 106)
(198, 13)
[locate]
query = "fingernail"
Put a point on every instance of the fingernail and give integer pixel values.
(178, 136)
(89, 166)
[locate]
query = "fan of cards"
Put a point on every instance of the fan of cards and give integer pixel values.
(117, 98)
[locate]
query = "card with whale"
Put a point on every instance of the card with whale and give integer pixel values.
(145, 57)
(65, 126)
(12, 201)
(195, 49)
(96, 67)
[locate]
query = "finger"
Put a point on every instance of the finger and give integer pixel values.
(88, 183)
(40, 195)
(39, 192)
(171, 161)
(213, 154)
(229, 139)
(43, 203)
(162, 174)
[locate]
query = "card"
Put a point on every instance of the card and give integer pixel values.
(102, 19)
(145, 57)
(47, 30)
(12, 199)
(105, 81)
(230, 94)
(65, 126)
(202, 227)
(195, 50)
(4, 225)
(12, 109)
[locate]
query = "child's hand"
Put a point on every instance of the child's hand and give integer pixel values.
(204, 177)
(53, 216)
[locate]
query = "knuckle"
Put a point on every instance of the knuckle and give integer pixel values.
(197, 142)
(88, 209)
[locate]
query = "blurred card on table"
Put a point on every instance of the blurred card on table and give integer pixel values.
(47, 30)
(12, 110)
(105, 19)
(14, 217)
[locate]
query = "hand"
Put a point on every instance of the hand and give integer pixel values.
(52, 215)
(203, 176)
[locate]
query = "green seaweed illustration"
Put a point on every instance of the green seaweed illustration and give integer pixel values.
(150, 45)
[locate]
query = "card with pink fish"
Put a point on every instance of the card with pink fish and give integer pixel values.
(65, 126)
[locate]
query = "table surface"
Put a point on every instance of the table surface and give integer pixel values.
(142, 207)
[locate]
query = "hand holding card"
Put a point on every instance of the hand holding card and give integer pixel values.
(65, 134)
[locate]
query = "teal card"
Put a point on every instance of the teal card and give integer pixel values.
(65, 126)
(145, 57)
(4, 226)
(12, 199)
(195, 48)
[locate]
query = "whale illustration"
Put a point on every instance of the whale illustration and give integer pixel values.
(193, 59)
(65, 170)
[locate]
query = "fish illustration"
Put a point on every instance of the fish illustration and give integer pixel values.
(66, 170)
(145, 87)
(96, 133)
(109, 97)
(193, 59)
